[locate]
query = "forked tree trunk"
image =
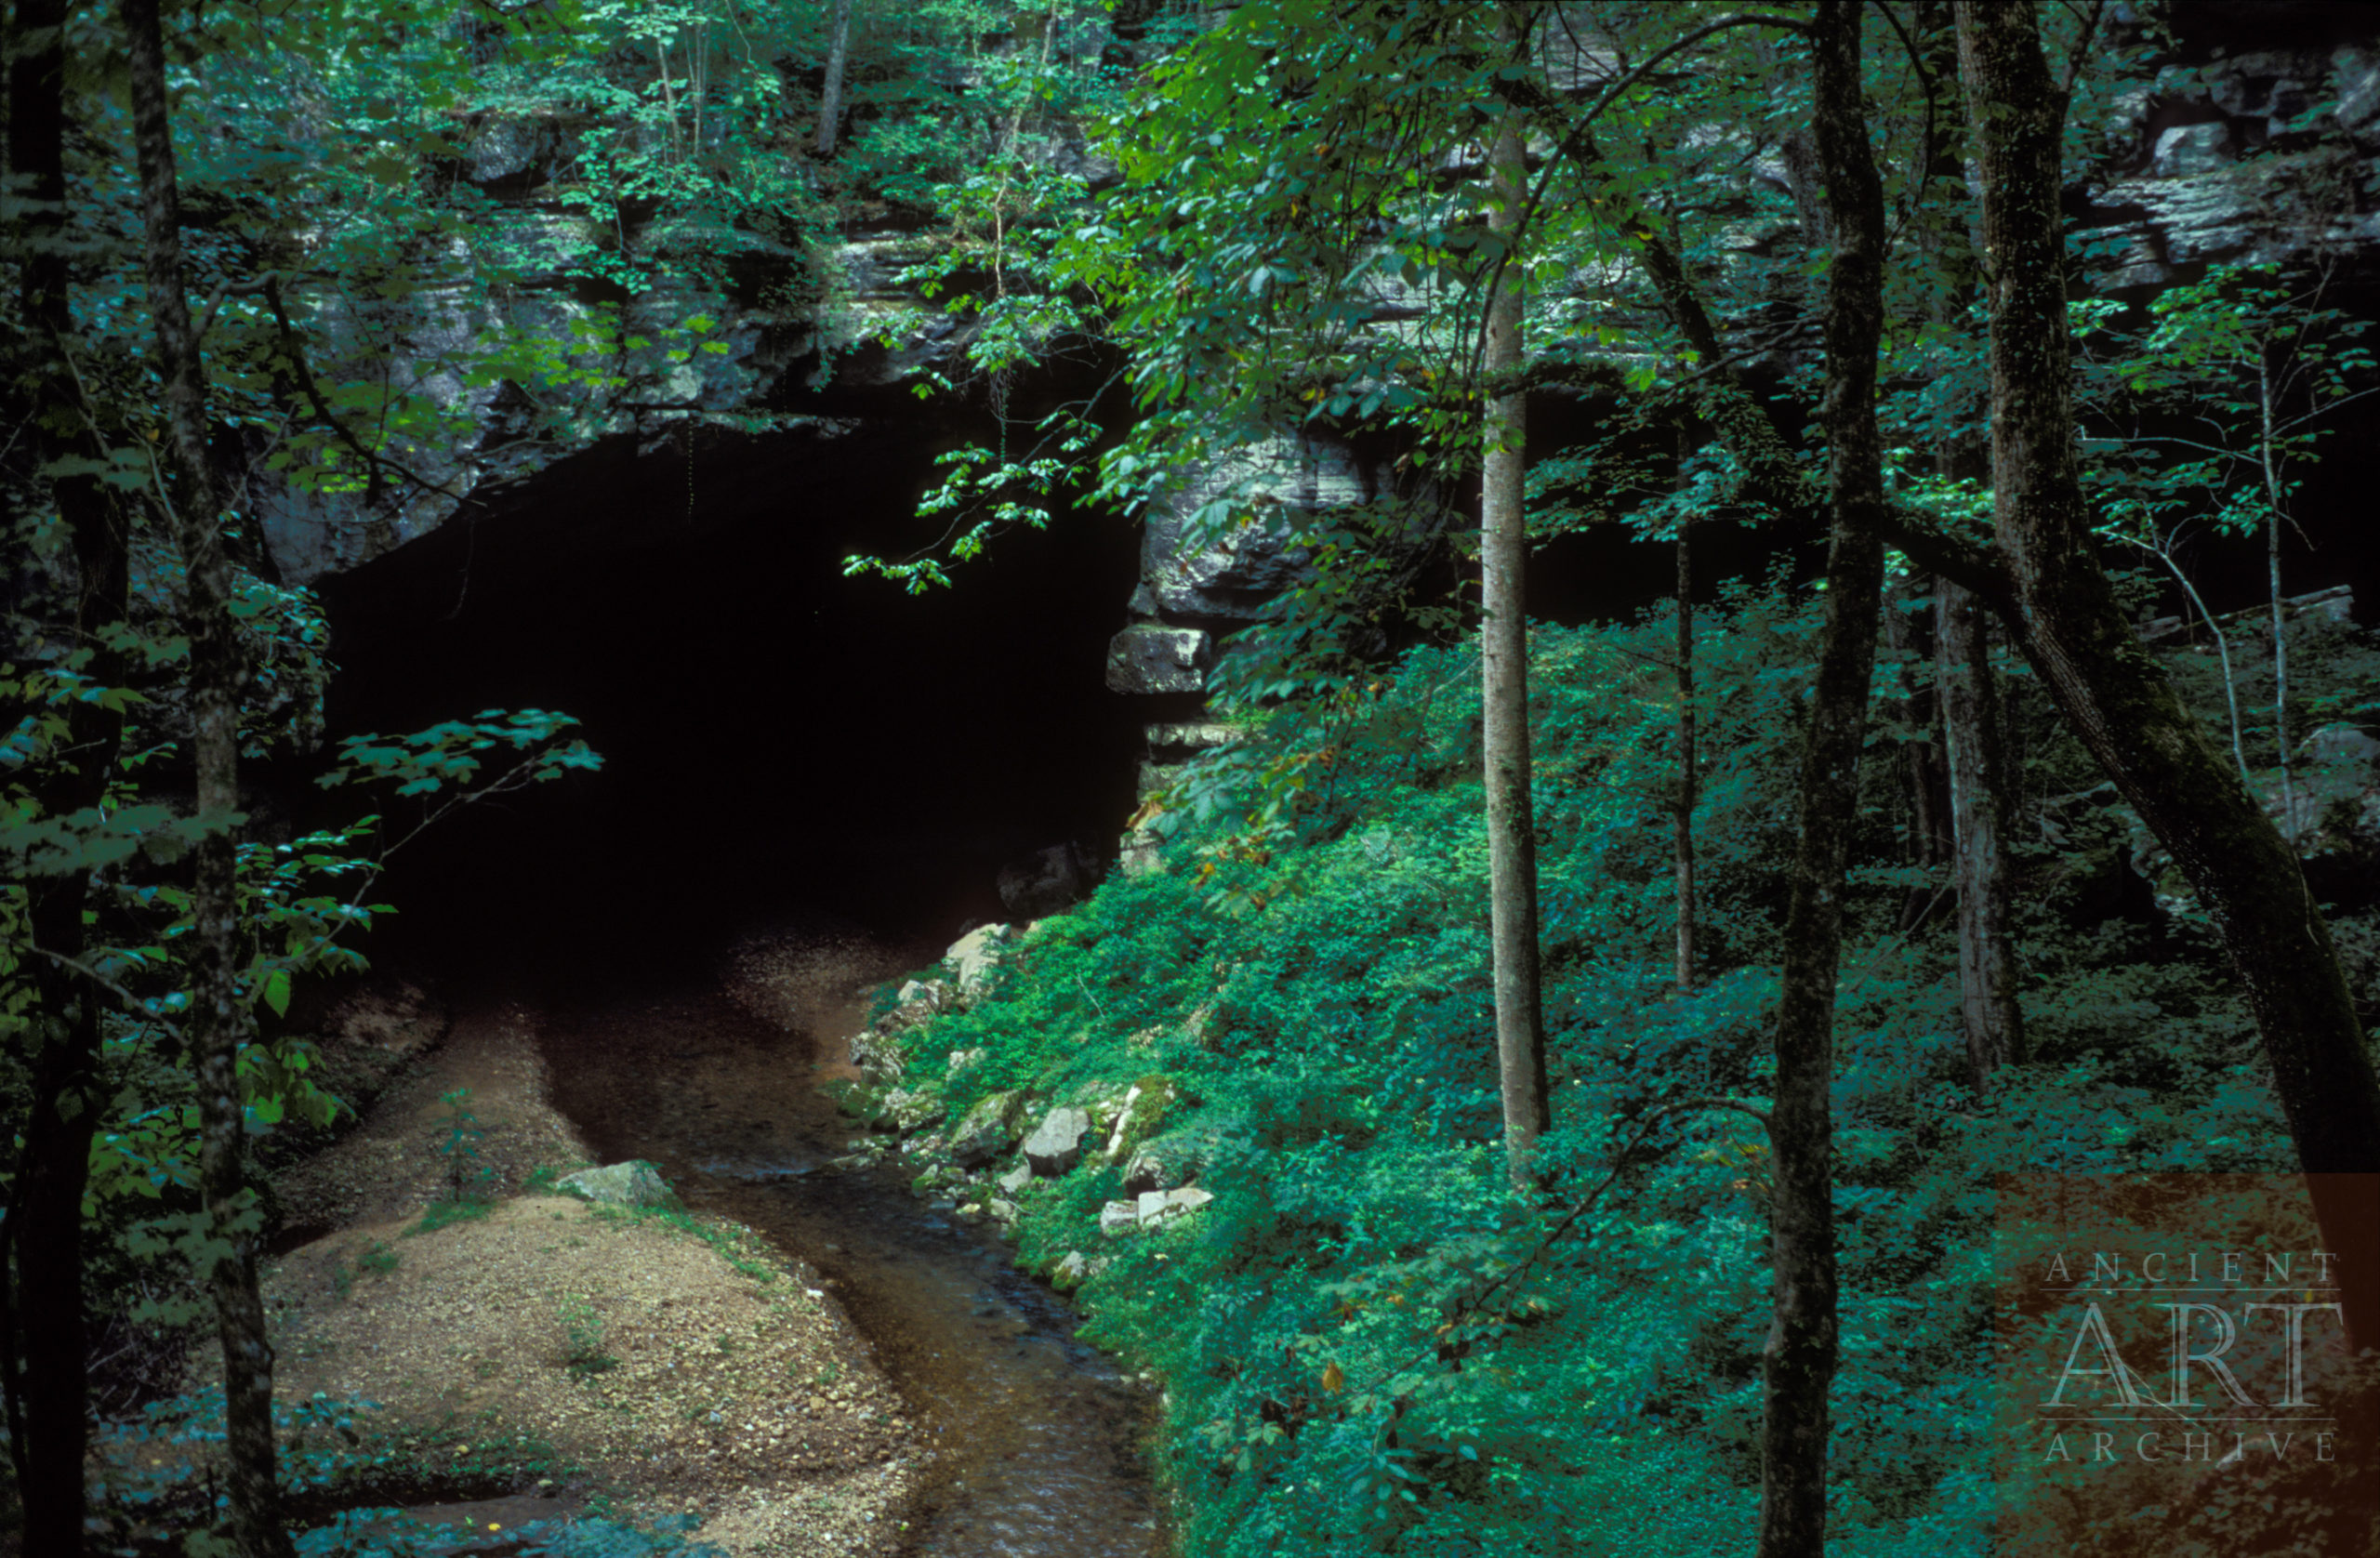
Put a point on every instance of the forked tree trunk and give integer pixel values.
(217, 1016)
(1512, 835)
(41, 1238)
(1798, 1362)
(2115, 697)
(1980, 808)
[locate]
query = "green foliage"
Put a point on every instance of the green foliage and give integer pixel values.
(736, 1246)
(583, 1351)
(449, 757)
(1367, 1345)
(464, 1170)
(2245, 368)
(376, 1258)
(445, 1213)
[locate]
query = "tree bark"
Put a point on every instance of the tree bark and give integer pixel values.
(1930, 845)
(1979, 807)
(1683, 811)
(40, 1239)
(1512, 837)
(830, 100)
(1798, 1362)
(216, 1012)
(2116, 697)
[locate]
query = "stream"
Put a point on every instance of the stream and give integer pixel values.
(1036, 1436)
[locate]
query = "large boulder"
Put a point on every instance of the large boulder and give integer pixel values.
(857, 1101)
(972, 957)
(1048, 881)
(633, 1183)
(989, 1129)
(1056, 1144)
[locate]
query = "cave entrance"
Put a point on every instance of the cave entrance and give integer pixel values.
(778, 739)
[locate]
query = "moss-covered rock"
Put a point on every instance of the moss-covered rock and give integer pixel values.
(994, 1126)
(633, 1183)
(913, 1109)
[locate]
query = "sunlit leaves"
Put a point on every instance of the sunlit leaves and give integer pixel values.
(450, 755)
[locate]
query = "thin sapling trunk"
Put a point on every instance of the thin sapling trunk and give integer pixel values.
(1512, 838)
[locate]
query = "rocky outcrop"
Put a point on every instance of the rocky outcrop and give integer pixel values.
(1150, 658)
(2252, 157)
(908, 1110)
(746, 333)
(1223, 545)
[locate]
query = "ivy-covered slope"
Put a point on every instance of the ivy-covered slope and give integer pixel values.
(1365, 1345)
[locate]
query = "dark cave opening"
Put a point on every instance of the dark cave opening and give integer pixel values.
(778, 739)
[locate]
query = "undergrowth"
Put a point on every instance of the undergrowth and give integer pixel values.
(1368, 1346)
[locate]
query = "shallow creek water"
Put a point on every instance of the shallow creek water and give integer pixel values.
(1036, 1436)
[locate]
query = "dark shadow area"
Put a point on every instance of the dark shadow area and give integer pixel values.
(775, 735)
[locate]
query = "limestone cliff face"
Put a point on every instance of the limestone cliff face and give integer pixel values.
(2256, 144)
(2173, 190)
(846, 350)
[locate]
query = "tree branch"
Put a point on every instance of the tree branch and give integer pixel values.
(1977, 568)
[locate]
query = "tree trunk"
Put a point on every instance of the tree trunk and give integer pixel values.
(2269, 457)
(1512, 837)
(1979, 804)
(2116, 697)
(40, 1239)
(1683, 814)
(216, 1012)
(1928, 786)
(830, 100)
(1798, 1362)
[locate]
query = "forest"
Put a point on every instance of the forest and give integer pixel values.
(1722, 893)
